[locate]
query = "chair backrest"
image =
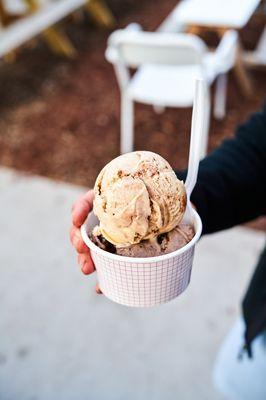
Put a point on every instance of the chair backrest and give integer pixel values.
(227, 50)
(135, 48)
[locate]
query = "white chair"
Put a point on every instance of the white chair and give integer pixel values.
(167, 66)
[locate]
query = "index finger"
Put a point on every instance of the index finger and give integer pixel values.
(81, 208)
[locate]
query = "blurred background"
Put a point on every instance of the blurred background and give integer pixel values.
(60, 116)
(59, 125)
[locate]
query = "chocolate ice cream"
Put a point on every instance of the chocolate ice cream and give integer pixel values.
(161, 244)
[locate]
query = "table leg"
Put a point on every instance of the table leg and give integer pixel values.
(99, 11)
(59, 42)
(56, 40)
(194, 30)
(240, 70)
(2, 13)
(241, 73)
(32, 5)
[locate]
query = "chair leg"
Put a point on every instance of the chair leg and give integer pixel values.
(127, 125)
(220, 96)
(204, 143)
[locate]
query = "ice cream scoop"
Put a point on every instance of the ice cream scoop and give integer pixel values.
(161, 244)
(138, 197)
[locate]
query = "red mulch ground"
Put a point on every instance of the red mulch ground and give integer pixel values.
(60, 118)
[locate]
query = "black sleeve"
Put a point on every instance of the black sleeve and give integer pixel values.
(231, 185)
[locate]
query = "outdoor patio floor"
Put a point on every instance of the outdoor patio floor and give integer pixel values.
(61, 341)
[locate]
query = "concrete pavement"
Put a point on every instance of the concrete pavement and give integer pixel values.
(60, 341)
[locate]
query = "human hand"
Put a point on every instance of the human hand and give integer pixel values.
(80, 211)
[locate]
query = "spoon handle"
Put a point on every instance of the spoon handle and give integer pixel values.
(197, 127)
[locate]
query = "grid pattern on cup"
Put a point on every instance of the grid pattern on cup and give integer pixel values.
(144, 284)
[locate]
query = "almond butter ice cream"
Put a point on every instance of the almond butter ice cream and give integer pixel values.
(137, 198)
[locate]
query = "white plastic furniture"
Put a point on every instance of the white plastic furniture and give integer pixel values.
(28, 27)
(230, 14)
(167, 67)
(257, 56)
(224, 13)
(14, 6)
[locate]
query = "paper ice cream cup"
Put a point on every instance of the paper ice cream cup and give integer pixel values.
(142, 282)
